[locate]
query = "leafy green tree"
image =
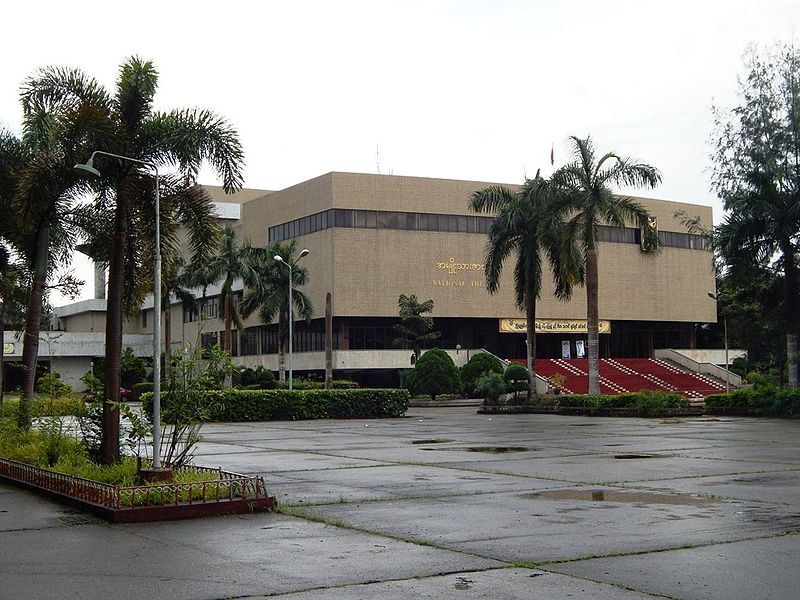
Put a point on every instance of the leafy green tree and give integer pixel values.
(756, 173)
(414, 328)
(479, 364)
(585, 188)
(435, 373)
(268, 292)
(529, 225)
(125, 123)
(491, 386)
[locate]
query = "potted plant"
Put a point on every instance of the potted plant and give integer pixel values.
(556, 381)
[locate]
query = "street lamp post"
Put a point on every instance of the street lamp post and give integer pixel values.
(290, 265)
(89, 168)
(725, 335)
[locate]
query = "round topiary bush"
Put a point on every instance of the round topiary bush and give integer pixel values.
(436, 374)
(516, 377)
(480, 364)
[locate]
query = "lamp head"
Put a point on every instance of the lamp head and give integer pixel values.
(88, 167)
(712, 296)
(303, 252)
(278, 258)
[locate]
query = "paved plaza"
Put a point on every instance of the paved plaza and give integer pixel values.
(446, 503)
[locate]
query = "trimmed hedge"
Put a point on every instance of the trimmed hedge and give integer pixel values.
(643, 404)
(236, 405)
(761, 401)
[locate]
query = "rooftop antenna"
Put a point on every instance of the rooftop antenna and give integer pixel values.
(378, 158)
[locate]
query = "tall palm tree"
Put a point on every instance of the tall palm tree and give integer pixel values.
(268, 285)
(38, 189)
(126, 124)
(230, 263)
(13, 297)
(584, 185)
(175, 283)
(528, 224)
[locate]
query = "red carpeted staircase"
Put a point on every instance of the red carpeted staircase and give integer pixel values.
(620, 375)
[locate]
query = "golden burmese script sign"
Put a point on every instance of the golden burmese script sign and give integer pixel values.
(552, 326)
(452, 266)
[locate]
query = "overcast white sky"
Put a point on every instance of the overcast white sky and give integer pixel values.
(453, 89)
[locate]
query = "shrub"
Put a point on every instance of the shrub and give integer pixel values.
(435, 373)
(491, 386)
(642, 404)
(759, 401)
(141, 388)
(132, 369)
(275, 405)
(258, 378)
(478, 365)
(305, 384)
(51, 385)
(516, 377)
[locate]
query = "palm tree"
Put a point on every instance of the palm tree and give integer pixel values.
(38, 189)
(528, 224)
(124, 123)
(230, 263)
(13, 296)
(584, 185)
(268, 285)
(175, 282)
(414, 329)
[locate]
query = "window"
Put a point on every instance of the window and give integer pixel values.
(144, 318)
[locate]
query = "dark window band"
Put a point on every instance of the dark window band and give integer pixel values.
(384, 219)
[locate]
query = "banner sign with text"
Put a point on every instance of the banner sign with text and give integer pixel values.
(552, 326)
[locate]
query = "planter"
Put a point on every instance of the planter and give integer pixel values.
(229, 493)
(691, 411)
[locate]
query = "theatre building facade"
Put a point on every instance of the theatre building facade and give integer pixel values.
(373, 237)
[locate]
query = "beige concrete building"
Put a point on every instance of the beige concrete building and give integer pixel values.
(374, 237)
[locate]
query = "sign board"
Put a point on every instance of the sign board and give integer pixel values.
(552, 326)
(8, 348)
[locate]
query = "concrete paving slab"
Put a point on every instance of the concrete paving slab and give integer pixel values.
(776, 487)
(508, 584)
(216, 558)
(455, 452)
(273, 461)
(770, 453)
(765, 569)
(608, 469)
(395, 481)
(23, 510)
(532, 527)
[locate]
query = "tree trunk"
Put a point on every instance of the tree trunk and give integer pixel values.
(168, 340)
(30, 341)
(530, 329)
(791, 303)
(328, 342)
(109, 447)
(281, 347)
(2, 354)
(592, 311)
(228, 342)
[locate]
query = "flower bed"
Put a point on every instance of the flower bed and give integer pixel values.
(225, 493)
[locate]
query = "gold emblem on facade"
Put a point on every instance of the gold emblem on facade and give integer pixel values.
(451, 266)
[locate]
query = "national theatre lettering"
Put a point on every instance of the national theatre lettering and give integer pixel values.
(453, 267)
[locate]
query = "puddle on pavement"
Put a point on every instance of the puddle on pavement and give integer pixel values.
(627, 497)
(486, 449)
(434, 441)
(636, 456)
